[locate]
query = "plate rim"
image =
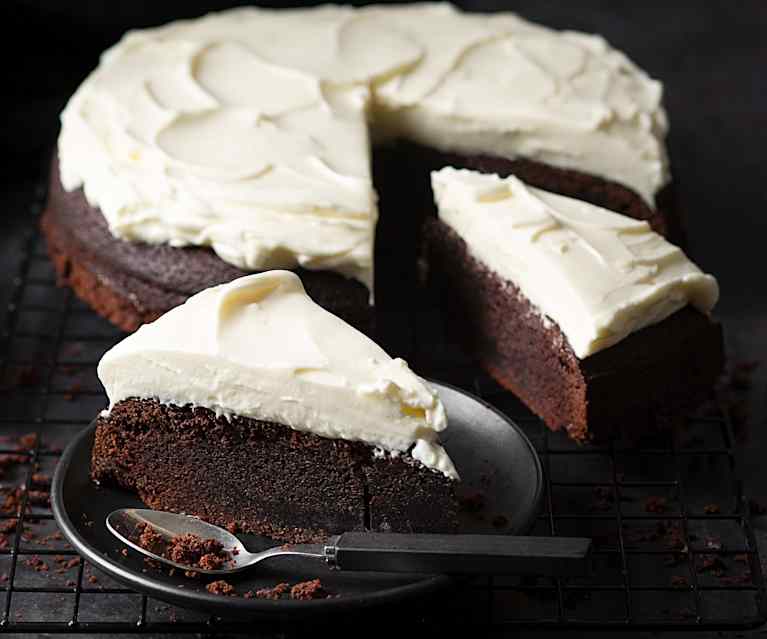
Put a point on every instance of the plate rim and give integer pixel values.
(540, 482)
(239, 606)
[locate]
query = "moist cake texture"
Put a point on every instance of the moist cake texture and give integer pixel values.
(251, 405)
(265, 478)
(595, 322)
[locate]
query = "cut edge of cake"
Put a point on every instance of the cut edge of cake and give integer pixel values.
(251, 405)
(666, 362)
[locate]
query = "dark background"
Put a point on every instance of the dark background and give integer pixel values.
(711, 57)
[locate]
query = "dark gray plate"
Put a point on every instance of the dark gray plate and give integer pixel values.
(490, 451)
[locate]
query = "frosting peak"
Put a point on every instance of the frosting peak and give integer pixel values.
(599, 275)
(259, 347)
(221, 132)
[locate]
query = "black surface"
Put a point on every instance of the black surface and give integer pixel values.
(514, 490)
(711, 57)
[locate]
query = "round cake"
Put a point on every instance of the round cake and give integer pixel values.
(203, 150)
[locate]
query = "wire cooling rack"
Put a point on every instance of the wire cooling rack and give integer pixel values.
(674, 547)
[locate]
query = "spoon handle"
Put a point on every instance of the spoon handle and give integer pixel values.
(460, 554)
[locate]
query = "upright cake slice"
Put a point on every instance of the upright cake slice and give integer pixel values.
(591, 318)
(250, 405)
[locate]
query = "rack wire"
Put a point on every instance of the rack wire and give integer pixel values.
(674, 545)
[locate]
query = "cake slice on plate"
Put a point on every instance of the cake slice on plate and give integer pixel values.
(595, 321)
(251, 406)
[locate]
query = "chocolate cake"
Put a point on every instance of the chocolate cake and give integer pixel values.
(174, 177)
(667, 365)
(665, 368)
(252, 407)
(187, 549)
(131, 283)
(203, 150)
(263, 477)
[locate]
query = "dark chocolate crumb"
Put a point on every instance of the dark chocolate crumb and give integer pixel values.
(37, 564)
(149, 538)
(271, 593)
(306, 590)
(656, 504)
(211, 561)
(220, 587)
(189, 550)
(28, 441)
(712, 509)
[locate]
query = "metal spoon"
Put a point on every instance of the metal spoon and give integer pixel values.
(387, 552)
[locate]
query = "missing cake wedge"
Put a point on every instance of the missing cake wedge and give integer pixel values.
(252, 407)
(593, 320)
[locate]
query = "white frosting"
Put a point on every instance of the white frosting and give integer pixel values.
(499, 85)
(259, 347)
(599, 275)
(223, 132)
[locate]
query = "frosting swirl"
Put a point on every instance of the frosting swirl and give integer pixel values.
(599, 275)
(221, 132)
(259, 347)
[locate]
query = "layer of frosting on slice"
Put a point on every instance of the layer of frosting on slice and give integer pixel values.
(599, 275)
(248, 130)
(259, 347)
